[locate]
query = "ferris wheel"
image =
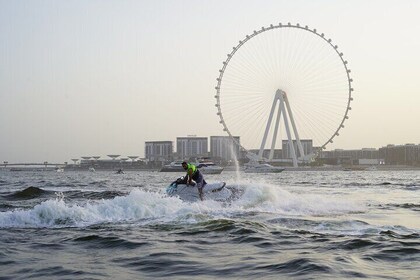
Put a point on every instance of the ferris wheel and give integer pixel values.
(284, 72)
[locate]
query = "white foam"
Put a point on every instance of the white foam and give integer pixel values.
(135, 206)
(270, 198)
(145, 206)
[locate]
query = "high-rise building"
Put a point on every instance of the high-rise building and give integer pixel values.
(158, 150)
(365, 153)
(408, 154)
(191, 146)
(277, 153)
(224, 147)
(306, 145)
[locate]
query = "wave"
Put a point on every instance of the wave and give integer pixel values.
(28, 193)
(264, 197)
(146, 206)
(97, 241)
(298, 266)
(92, 194)
(57, 213)
(410, 206)
(35, 192)
(413, 185)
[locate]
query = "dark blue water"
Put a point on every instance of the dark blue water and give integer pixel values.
(292, 225)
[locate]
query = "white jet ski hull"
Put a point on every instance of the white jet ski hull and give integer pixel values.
(215, 191)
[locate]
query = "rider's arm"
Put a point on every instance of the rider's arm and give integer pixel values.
(189, 173)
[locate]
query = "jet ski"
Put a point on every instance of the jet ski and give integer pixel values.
(214, 191)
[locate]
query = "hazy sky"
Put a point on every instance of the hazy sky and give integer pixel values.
(91, 78)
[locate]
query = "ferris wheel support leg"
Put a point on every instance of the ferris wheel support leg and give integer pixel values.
(292, 121)
(289, 136)
(276, 129)
(267, 128)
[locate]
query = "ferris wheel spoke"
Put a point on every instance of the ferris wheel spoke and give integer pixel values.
(245, 73)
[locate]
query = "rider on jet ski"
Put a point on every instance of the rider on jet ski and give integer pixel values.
(194, 174)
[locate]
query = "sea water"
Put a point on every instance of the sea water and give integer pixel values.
(291, 225)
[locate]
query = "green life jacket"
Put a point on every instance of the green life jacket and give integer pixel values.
(191, 167)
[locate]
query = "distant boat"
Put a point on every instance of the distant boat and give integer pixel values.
(175, 166)
(59, 169)
(372, 168)
(257, 167)
(91, 169)
(354, 168)
(208, 167)
(17, 169)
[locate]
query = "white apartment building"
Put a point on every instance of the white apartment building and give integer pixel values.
(225, 147)
(191, 146)
(158, 150)
(306, 144)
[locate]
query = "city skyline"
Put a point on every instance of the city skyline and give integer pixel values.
(174, 151)
(80, 78)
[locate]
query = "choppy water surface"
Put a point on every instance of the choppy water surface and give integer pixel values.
(292, 225)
